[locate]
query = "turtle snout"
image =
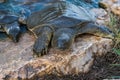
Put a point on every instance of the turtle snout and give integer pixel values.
(110, 35)
(106, 32)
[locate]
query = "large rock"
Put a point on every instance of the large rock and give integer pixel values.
(1, 1)
(17, 61)
(15, 55)
(111, 5)
(116, 9)
(102, 16)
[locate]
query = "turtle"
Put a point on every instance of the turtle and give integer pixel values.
(57, 25)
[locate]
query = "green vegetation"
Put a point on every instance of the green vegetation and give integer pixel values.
(114, 24)
(117, 51)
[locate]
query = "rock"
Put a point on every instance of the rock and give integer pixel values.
(17, 61)
(116, 9)
(111, 5)
(1, 1)
(15, 55)
(101, 15)
(105, 3)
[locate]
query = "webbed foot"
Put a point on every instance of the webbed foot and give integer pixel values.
(41, 46)
(13, 31)
(42, 42)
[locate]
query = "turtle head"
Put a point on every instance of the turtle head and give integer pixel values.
(104, 31)
(62, 39)
(13, 30)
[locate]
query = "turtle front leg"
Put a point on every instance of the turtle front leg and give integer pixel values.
(42, 42)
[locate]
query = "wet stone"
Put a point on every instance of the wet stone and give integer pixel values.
(111, 5)
(17, 61)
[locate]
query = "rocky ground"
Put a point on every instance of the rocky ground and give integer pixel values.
(17, 60)
(111, 5)
(90, 57)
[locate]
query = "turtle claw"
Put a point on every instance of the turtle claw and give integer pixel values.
(40, 47)
(40, 50)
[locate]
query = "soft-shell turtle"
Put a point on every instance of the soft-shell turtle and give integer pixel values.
(58, 24)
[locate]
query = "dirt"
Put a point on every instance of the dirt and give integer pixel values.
(102, 69)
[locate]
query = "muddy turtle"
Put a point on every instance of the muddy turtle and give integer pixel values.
(59, 23)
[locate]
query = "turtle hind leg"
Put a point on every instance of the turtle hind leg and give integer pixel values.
(94, 29)
(13, 31)
(42, 42)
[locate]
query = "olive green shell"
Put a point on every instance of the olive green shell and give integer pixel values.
(58, 15)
